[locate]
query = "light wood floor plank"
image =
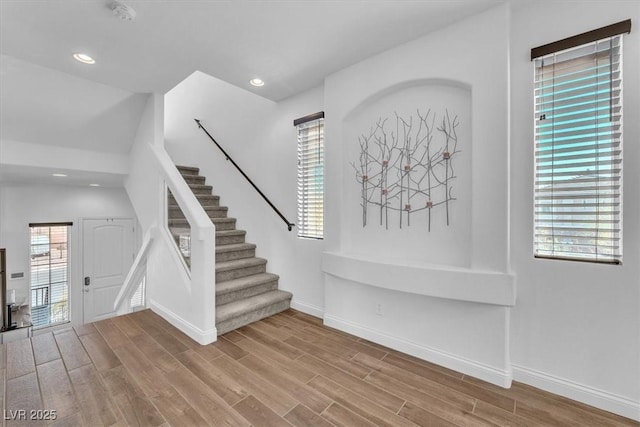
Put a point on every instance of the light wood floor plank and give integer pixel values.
(304, 394)
(44, 348)
(329, 357)
(496, 399)
(56, 389)
(501, 417)
(3, 357)
(211, 406)
(285, 370)
(233, 336)
(256, 413)
(276, 399)
(208, 352)
(342, 417)
(101, 354)
(134, 405)
(170, 343)
(279, 346)
(146, 323)
(111, 333)
(72, 351)
(391, 377)
(441, 408)
(329, 339)
(422, 417)
(128, 326)
(358, 404)
(371, 392)
(283, 362)
(149, 346)
(229, 348)
(74, 420)
(222, 385)
(176, 410)
(85, 329)
(23, 396)
(272, 331)
(19, 359)
(301, 416)
(96, 406)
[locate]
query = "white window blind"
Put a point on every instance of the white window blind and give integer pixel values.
(578, 152)
(311, 177)
(49, 273)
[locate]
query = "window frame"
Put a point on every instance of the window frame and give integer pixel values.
(310, 228)
(564, 170)
(66, 265)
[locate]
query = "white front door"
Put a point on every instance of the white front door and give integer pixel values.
(107, 246)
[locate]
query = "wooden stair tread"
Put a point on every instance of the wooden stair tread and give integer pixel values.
(230, 233)
(247, 305)
(189, 169)
(244, 282)
(239, 263)
(234, 247)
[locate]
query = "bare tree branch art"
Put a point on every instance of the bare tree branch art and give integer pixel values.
(408, 170)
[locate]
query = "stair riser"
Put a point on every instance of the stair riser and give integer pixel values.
(254, 316)
(246, 293)
(201, 190)
(229, 240)
(189, 171)
(231, 255)
(194, 179)
(226, 225)
(204, 199)
(222, 276)
(176, 213)
(178, 223)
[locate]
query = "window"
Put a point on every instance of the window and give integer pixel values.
(310, 175)
(578, 147)
(49, 273)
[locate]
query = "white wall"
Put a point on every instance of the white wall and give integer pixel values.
(427, 319)
(576, 326)
(23, 204)
(259, 135)
(185, 298)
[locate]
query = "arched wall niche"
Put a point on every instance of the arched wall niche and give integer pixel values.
(396, 225)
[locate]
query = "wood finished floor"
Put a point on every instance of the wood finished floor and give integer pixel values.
(282, 371)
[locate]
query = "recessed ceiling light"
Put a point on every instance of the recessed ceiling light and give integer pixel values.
(58, 174)
(256, 82)
(94, 185)
(84, 58)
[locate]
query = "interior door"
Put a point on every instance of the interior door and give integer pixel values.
(107, 246)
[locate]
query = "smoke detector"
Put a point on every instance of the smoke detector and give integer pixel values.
(123, 11)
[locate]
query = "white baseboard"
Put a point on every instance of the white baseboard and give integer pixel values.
(195, 333)
(307, 308)
(582, 393)
(475, 369)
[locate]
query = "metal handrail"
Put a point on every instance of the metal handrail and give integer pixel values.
(289, 224)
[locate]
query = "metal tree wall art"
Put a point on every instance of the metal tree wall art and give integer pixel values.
(409, 169)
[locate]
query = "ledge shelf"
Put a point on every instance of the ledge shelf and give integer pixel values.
(455, 283)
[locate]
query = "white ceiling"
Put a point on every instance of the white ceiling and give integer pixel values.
(49, 98)
(292, 45)
(44, 106)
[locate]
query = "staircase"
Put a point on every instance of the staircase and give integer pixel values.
(245, 292)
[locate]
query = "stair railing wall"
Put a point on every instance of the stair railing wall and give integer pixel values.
(202, 241)
(182, 246)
